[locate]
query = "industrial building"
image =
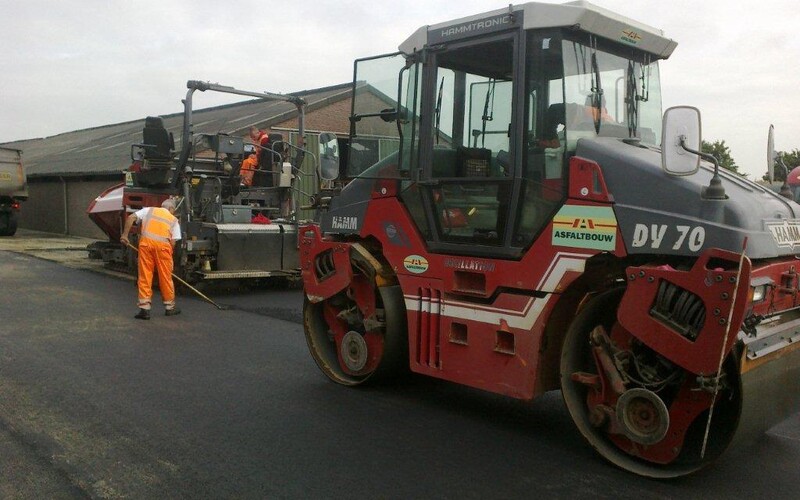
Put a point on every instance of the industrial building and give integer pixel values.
(67, 171)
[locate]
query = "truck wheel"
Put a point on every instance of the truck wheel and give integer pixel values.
(351, 350)
(637, 409)
(9, 225)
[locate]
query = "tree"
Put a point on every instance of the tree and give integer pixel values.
(722, 153)
(790, 159)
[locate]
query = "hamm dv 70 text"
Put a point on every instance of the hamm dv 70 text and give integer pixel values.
(520, 217)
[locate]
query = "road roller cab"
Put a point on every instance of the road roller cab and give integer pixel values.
(505, 217)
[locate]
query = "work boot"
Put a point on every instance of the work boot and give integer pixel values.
(143, 314)
(172, 312)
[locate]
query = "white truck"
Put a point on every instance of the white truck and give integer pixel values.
(13, 189)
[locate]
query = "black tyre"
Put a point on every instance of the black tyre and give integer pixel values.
(8, 224)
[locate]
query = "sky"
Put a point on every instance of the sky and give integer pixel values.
(75, 64)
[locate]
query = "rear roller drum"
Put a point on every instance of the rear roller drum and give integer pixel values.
(637, 409)
(351, 349)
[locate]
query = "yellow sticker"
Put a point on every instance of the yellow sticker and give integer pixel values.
(416, 264)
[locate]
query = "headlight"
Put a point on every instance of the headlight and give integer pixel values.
(759, 287)
(759, 292)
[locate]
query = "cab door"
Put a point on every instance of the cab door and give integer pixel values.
(376, 127)
(468, 146)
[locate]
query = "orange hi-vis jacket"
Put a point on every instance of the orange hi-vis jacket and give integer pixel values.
(155, 254)
(262, 139)
(157, 225)
(248, 169)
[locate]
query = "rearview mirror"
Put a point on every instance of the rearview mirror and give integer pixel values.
(681, 128)
(771, 154)
(328, 156)
(389, 115)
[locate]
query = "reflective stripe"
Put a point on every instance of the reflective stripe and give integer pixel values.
(155, 237)
(162, 219)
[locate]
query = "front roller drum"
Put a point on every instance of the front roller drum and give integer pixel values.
(651, 428)
(352, 355)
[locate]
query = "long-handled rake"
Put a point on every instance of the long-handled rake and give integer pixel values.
(190, 287)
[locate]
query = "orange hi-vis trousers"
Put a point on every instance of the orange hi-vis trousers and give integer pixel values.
(155, 256)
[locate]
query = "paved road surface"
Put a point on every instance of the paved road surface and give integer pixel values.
(228, 404)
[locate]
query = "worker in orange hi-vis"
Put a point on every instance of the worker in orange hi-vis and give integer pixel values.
(248, 169)
(259, 137)
(159, 232)
(266, 156)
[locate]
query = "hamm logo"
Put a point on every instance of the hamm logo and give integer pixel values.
(416, 264)
(785, 233)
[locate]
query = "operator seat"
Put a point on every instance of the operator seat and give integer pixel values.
(276, 137)
(473, 162)
(231, 186)
(158, 143)
(555, 115)
(267, 158)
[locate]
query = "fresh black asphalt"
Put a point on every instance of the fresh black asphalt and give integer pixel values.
(229, 404)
